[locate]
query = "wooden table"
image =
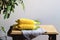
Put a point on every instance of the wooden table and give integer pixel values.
(51, 32)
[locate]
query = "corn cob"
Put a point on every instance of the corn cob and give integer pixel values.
(15, 26)
(26, 26)
(25, 21)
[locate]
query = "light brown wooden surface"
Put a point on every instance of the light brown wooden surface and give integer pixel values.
(49, 28)
(16, 32)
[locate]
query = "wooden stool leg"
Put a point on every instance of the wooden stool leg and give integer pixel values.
(52, 37)
(18, 38)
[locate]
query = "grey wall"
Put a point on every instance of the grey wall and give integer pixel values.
(46, 11)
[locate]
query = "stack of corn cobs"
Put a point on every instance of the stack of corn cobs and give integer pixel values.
(8, 6)
(26, 24)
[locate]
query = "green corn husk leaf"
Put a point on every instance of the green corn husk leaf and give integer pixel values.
(3, 29)
(37, 22)
(37, 27)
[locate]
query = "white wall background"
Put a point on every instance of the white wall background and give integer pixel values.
(46, 11)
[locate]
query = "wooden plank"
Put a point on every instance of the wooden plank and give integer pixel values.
(16, 32)
(49, 28)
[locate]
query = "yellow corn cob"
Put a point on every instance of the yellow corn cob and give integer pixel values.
(15, 26)
(25, 21)
(26, 26)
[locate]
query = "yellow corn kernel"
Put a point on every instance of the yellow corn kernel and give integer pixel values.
(26, 26)
(25, 21)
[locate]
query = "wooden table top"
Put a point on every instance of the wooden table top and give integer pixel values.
(49, 28)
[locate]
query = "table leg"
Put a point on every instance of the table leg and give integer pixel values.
(18, 38)
(52, 37)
